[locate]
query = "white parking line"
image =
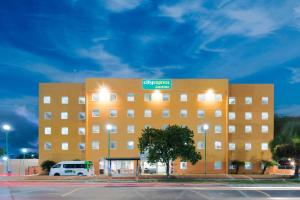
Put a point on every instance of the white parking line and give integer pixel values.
(72, 191)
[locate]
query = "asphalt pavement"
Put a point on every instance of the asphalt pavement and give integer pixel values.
(17, 190)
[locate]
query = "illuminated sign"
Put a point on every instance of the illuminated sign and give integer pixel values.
(157, 84)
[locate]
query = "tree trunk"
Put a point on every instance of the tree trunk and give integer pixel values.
(264, 169)
(237, 169)
(168, 169)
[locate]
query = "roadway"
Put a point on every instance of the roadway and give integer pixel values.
(42, 190)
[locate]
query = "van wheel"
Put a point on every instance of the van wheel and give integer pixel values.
(56, 174)
(80, 174)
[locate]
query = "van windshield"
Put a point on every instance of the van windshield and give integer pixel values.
(56, 166)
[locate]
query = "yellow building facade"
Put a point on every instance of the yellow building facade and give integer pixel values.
(74, 119)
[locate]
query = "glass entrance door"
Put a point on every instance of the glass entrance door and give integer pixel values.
(122, 168)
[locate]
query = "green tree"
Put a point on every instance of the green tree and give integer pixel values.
(47, 164)
(237, 164)
(286, 143)
(168, 145)
(266, 164)
(1, 151)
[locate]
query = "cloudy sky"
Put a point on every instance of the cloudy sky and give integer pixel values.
(245, 41)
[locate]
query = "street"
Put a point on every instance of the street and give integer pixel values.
(17, 190)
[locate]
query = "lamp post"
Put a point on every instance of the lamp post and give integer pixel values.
(6, 128)
(24, 151)
(108, 128)
(205, 127)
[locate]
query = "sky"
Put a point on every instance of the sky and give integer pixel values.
(245, 41)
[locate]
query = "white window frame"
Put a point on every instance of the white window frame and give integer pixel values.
(166, 113)
(64, 100)
(183, 165)
(183, 113)
(95, 145)
(248, 116)
(130, 145)
(218, 113)
(248, 129)
(96, 128)
(96, 112)
(47, 99)
(218, 145)
(47, 131)
(264, 129)
(64, 131)
(248, 146)
(248, 100)
(201, 97)
(248, 165)
(231, 129)
(95, 97)
(147, 113)
(218, 97)
(113, 113)
(130, 129)
(231, 116)
(45, 146)
(130, 97)
(165, 97)
(46, 114)
(200, 113)
(79, 146)
(64, 115)
(113, 97)
(81, 130)
(79, 116)
(266, 117)
(231, 100)
(264, 100)
(183, 97)
(264, 146)
(113, 142)
(200, 145)
(218, 128)
(128, 113)
(217, 165)
(231, 146)
(64, 146)
(147, 97)
(81, 100)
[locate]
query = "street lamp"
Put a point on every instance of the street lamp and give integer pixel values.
(24, 151)
(108, 128)
(6, 128)
(205, 127)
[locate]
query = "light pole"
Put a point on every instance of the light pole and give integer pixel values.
(205, 127)
(108, 128)
(24, 151)
(6, 128)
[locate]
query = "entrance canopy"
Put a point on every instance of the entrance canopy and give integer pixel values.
(122, 158)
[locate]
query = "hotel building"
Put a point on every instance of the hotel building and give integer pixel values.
(74, 119)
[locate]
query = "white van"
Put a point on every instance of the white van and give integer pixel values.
(73, 168)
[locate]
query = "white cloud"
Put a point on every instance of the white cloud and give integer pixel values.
(24, 106)
(121, 5)
(179, 11)
(295, 74)
(292, 110)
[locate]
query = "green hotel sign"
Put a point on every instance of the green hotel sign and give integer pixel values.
(157, 84)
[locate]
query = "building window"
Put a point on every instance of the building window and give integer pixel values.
(264, 146)
(218, 165)
(218, 145)
(248, 146)
(201, 97)
(147, 97)
(264, 128)
(113, 97)
(95, 145)
(47, 115)
(47, 146)
(200, 129)
(248, 165)
(200, 145)
(265, 100)
(81, 100)
(130, 97)
(81, 131)
(218, 97)
(113, 145)
(248, 115)
(231, 128)
(200, 113)
(164, 127)
(114, 129)
(218, 113)
(231, 100)
(64, 130)
(47, 99)
(63, 115)
(147, 113)
(64, 146)
(231, 146)
(113, 113)
(183, 97)
(96, 128)
(81, 115)
(64, 100)
(183, 165)
(166, 97)
(248, 129)
(231, 115)
(166, 113)
(264, 116)
(95, 113)
(47, 130)
(248, 100)
(81, 146)
(130, 113)
(183, 113)
(218, 129)
(95, 97)
(130, 145)
(130, 129)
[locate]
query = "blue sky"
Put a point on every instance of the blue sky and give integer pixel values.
(68, 40)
